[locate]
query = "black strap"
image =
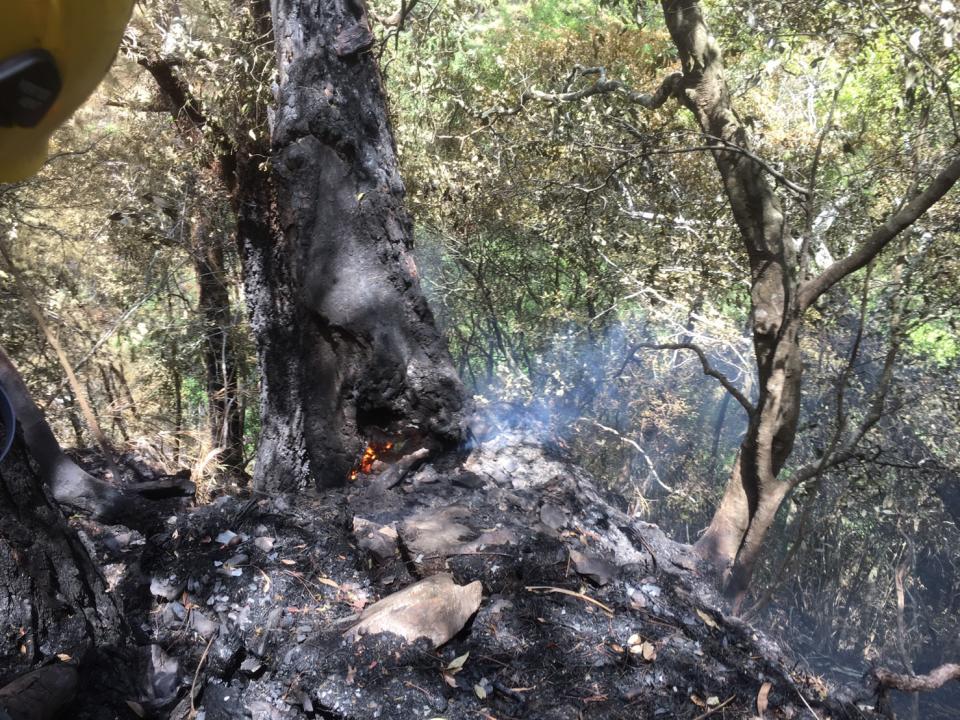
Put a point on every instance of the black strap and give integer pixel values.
(29, 85)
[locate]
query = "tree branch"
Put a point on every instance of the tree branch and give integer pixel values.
(602, 85)
(936, 678)
(708, 369)
(881, 237)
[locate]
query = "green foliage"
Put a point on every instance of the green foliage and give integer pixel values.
(936, 341)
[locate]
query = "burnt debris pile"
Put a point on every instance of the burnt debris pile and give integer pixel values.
(501, 583)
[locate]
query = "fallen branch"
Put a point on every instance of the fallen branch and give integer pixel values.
(936, 678)
(716, 709)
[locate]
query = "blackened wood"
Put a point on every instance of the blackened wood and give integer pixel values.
(347, 344)
(54, 600)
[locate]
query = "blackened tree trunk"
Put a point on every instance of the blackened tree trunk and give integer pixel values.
(348, 348)
(53, 600)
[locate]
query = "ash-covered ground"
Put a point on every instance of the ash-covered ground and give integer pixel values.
(242, 609)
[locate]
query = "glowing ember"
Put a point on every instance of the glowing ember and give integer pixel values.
(373, 453)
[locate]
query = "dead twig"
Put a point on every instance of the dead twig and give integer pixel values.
(716, 709)
(586, 598)
(196, 674)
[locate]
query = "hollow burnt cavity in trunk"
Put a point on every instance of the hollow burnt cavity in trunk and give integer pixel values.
(348, 346)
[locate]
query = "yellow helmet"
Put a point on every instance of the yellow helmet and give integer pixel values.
(53, 54)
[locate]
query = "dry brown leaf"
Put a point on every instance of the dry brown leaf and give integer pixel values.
(709, 621)
(762, 698)
(458, 662)
(328, 582)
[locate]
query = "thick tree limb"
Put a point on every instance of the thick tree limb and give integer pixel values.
(934, 679)
(188, 113)
(708, 369)
(881, 237)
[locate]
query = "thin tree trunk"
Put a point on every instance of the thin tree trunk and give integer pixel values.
(779, 295)
(219, 347)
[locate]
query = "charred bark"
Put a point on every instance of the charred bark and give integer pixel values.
(348, 347)
(53, 599)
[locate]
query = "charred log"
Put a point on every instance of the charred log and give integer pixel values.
(69, 484)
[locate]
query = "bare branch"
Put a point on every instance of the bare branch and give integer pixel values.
(602, 85)
(881, 237)
(708, 369)
(724, 145)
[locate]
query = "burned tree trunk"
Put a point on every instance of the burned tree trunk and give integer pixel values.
(55, 600)
(348, 347)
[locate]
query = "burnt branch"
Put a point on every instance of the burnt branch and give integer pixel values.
(936, 678)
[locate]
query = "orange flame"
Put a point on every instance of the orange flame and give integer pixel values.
(373, 453)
